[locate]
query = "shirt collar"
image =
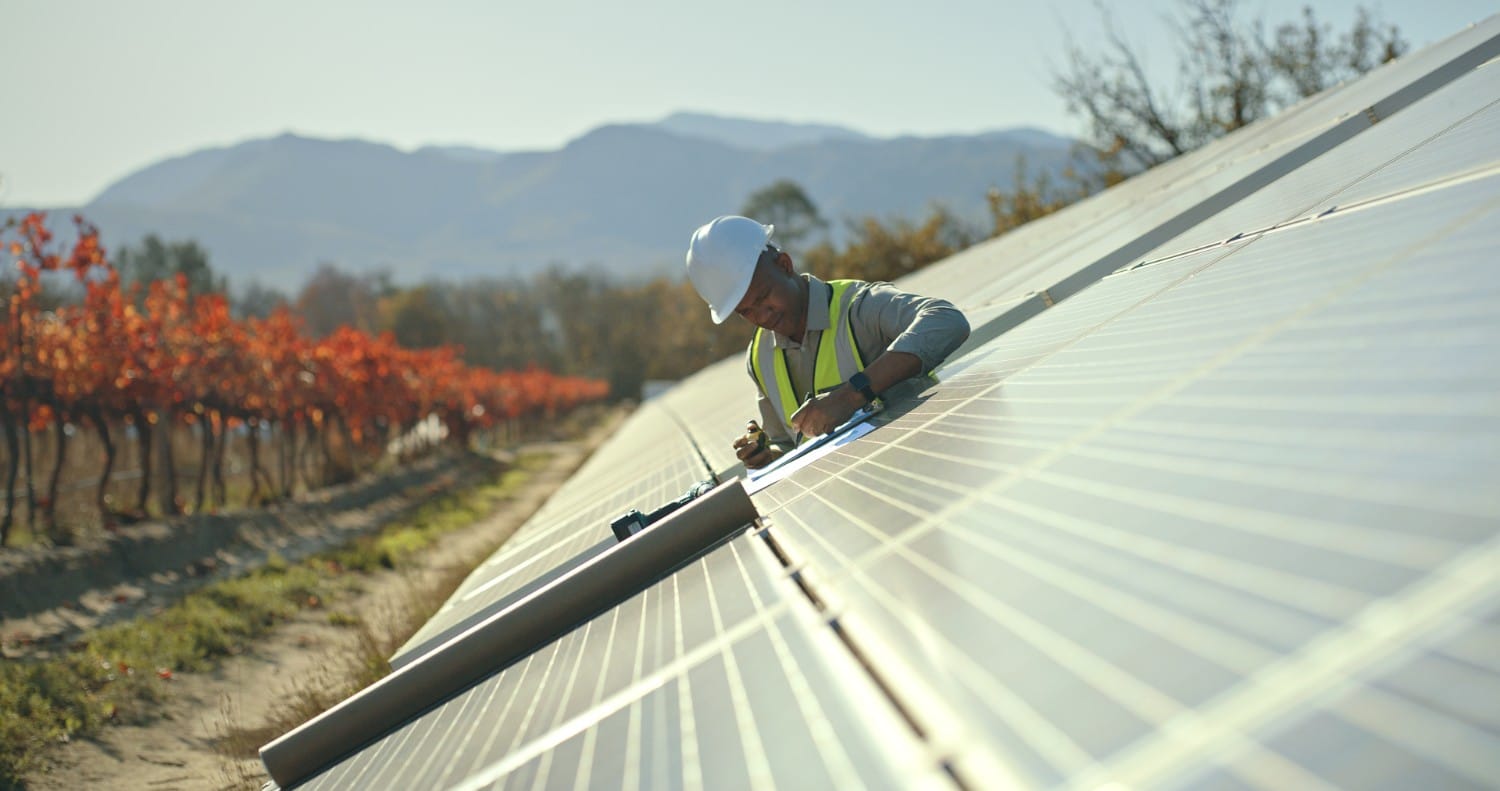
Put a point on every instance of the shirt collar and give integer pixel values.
(818, 295)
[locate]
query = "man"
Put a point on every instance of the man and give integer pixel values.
(823, 349)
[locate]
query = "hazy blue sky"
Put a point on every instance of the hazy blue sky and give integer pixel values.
(95, 90)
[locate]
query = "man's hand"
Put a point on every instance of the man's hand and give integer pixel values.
(754, 448)
(824, 413)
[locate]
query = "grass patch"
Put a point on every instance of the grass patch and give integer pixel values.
(116, 673)
(343, 619)
(352, 671)
(448, 512)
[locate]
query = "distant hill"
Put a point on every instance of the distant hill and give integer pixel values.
(754, 135)
(623, 197)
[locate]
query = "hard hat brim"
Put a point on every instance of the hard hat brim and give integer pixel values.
(721, 311)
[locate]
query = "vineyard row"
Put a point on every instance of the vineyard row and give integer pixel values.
(129, 359)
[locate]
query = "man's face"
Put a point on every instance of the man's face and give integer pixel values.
(774, 300)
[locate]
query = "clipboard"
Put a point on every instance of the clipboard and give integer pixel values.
(855, 427)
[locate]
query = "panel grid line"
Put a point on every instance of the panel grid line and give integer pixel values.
(829, 747)
(545, 767)
(510, 701)
(1143, 700)
(1038, 732)
(687, 726)
(1041, 734)
(757, 764)
(1434, 735)
(1402, 549)
(671, 672)
(1290, 589)
(1209, 643)
(1408, 550)
(1320, 437)
(590, 738)
(632, 779)
(456, 725)
(1321, 669)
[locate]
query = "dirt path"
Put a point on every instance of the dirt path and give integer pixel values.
(176, 750)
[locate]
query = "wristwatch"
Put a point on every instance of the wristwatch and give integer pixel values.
(861, 383)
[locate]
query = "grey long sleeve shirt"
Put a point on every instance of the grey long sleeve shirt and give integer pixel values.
(883, 318)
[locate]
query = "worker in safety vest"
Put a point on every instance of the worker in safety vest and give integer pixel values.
(823, 349)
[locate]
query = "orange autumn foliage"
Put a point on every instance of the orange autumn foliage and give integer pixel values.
(110, 359)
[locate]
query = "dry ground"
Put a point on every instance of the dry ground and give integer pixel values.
(177, 749)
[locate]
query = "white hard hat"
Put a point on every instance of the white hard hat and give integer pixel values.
(721, 260)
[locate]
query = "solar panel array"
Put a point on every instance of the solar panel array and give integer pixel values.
(1225, 515)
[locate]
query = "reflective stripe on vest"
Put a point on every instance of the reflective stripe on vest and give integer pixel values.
(837, 360)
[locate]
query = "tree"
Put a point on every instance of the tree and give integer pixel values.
(333, 298)
(885, 251)
(1308, 64)
(29, 397)
(420, 317)
(1232, 74)
(102, 369)
(583, 313)
(500, 325)
(786, 206)
(259, 301)
(1033, 197)
(157, 260)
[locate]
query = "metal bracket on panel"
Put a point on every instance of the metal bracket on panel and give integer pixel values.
(413, 653)
(1372, 115)
(1046, 298)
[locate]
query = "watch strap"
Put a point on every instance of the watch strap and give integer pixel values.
(861, 383)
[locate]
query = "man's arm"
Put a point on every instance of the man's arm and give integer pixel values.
(917, 332)
(927, 327)
(828, 411)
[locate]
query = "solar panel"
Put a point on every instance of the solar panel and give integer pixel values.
(1431, 142)
(1216, 510)
(1187, 498)
(713, 675)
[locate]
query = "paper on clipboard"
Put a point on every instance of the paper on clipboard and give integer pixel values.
(852, 429)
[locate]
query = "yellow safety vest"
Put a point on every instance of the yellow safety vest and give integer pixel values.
(837, 359)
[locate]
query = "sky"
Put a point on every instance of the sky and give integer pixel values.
(93, 91)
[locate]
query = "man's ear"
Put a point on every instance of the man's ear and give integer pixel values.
(784, 263)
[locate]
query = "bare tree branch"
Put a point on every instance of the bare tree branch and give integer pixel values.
(1232, 73)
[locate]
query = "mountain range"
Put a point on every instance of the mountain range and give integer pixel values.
(623, 197)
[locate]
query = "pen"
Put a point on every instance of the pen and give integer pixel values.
(805, 401)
